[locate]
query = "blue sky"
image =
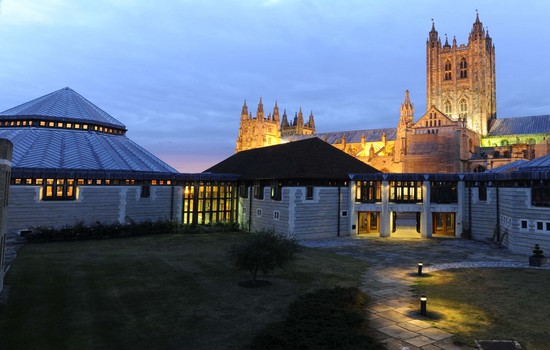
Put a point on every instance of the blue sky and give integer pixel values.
(176, 72)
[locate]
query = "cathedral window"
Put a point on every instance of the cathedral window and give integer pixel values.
(504, 143)
(463, 108)
(448, 68)
(447, 108)
(463, 68)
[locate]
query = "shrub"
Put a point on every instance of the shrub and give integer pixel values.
(263, 251)
(326, 319)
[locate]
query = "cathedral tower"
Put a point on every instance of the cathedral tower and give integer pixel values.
(460, 79)
(406, 121)
(259, 131)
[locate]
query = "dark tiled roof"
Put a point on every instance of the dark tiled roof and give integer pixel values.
(353, 136)
(79, 149)
(307, 159)
(64, 104)
(537, 163)
(509, 167)
(520, 126)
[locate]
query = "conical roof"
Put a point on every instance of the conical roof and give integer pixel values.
(64, 104)
(37, 146)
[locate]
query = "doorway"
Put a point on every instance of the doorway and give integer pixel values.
(369, 222)
(443, 224)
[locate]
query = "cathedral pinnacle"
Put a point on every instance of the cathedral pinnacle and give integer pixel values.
(244, 111)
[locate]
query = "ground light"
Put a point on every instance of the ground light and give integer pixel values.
(420, 268)
(423, 300)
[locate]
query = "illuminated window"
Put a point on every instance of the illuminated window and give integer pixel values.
(154, 182)
(77, 126)
(448, 68)
(42, 123)
(59, 125)
(406, 191)
(69, 125)
(51, 124)
(276, 190)
(85, 126)
(463, 68)
(368, 191)
(28, 181)
(463, 108)
(39, 181)
(17, 181)
(59, 189)
(447, 108)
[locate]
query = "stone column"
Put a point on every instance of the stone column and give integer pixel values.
(461, 194)
(6, 151)
(426, 216)
(352, 211)
(385, 214)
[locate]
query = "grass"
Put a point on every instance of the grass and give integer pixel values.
(491, 304)
(152, 292)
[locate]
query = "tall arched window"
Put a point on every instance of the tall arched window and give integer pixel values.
(463, 68)
(463, 108)
(447, 108)
(448, 68)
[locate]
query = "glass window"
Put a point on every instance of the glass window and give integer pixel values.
(276, 189)
(463, 68)
(58, 189)
(309, 192)
(448, 68)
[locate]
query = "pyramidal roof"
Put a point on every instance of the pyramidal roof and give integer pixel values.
(306, 159)
(65, 104)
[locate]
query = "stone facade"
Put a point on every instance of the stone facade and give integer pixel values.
(262, 131)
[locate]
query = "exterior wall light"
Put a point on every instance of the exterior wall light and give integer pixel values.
(423, 301)
(420, 268)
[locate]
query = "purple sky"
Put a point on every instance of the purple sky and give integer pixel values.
(176, 74)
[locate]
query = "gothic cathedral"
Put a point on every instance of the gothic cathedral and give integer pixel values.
(459, 132)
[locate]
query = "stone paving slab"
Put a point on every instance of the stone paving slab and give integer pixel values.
(434, 333)
(394, 318)
(398, 332)
(420, 341)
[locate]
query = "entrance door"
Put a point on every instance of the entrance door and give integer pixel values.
(369, 222)
(443, 224)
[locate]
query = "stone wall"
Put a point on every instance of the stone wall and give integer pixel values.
(6, 151)
(107, 204)
(297, 216)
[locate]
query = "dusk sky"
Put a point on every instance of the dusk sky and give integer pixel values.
(176, 73)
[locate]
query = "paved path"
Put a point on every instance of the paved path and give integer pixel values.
(394, 318)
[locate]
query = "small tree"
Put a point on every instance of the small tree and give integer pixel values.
(263, 251)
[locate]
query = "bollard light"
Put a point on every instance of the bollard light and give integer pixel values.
(420, 268)
(423, 300)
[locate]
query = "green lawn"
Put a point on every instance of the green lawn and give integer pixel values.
(491, 304)
(151, 292)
